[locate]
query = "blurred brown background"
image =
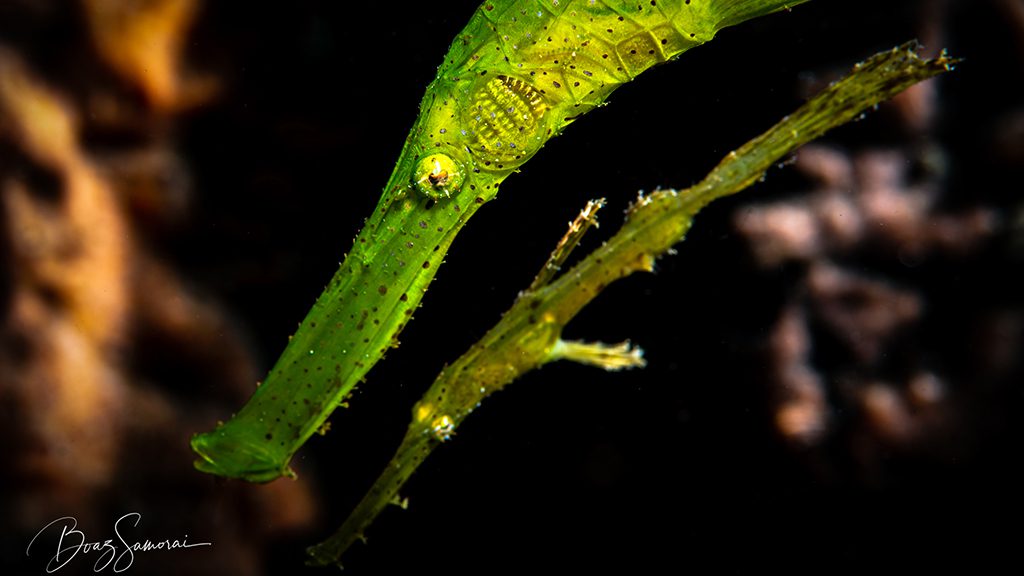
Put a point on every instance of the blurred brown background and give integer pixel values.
(178, 181)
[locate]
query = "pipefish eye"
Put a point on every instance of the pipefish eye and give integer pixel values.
(438, 176)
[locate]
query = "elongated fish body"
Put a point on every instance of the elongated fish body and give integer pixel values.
(516, 76)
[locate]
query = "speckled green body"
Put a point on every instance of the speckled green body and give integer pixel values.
(517, 75)
(529, 334)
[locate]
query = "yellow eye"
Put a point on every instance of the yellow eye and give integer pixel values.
(438, 176)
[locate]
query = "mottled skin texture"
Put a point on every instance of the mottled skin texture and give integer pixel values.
(529, 334)
(516, 76)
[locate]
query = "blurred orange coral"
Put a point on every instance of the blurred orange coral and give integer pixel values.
(143, 40)
(88, 432)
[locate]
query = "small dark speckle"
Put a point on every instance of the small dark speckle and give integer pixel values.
(382, 289)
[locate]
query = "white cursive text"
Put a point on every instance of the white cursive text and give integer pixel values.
(117, 554)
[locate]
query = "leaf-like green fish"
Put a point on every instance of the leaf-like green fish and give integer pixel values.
(517, 75)
(529, 334)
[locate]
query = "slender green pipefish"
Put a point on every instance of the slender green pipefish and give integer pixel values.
(517, 75)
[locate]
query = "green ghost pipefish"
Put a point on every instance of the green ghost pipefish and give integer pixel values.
(517, 75)
(529, 334)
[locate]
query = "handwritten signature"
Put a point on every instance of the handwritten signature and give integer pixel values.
(117, 555)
